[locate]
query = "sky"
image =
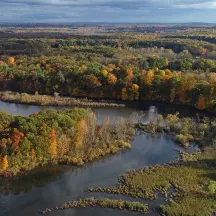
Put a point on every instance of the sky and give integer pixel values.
(108, 11)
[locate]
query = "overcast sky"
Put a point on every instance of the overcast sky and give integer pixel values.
(60, 11)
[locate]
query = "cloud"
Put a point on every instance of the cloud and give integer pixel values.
(107, 10)
(127, 4)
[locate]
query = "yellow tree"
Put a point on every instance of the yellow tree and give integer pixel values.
(63, 145)
(212, 79)
(83, 68)
(124, 94)
(104, 73)
(4, 163)
(168, 72)
(33, 155)
(190, 82)
(53, 144)
(201, 103)
(147, 78)
(135, 89)
(80, 134)
(111, 79)
(94, 81)
(156, 69)
(11, 60)
(129, 76)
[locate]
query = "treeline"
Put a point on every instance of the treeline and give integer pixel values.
(195, 47)
(46, 46)
(138, 81)
(71, 136)
(207, 38)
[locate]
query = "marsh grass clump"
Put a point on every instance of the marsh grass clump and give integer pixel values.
(56, 100)
(103, 203)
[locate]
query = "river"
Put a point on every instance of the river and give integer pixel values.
(49, 186)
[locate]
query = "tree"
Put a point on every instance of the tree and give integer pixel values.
(181, 94)
(92, 81)
(33, 155)
(91, 129)
(104, 73)
(203, 51)
(172, 95)
(147, 78)
(16, 138)
(162, 73)
(190, 83)
(11, 60)
(168, 72)
(166, 61)
(130, 76)
(53, 144)
(104, 130)
(158, 62)
(111, 79)
(124, 95)
(2, 63)
(135, 90)
(64, 145)
(201, 103)
(83, 68)
(4, 163)
(80, 134)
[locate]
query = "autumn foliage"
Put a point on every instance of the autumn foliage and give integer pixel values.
(80, 134)
(4, 163)
(53, 144)
(16, 137)
(111, 79)
(11, 60)
(201, 103)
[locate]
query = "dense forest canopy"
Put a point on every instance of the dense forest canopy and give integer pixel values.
(127, 66)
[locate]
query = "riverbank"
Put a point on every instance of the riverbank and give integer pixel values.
(47, 100)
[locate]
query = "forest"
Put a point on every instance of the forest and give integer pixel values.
(114, 69)
(121, 66)
(71, 136)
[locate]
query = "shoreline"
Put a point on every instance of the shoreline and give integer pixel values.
(49, 100)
